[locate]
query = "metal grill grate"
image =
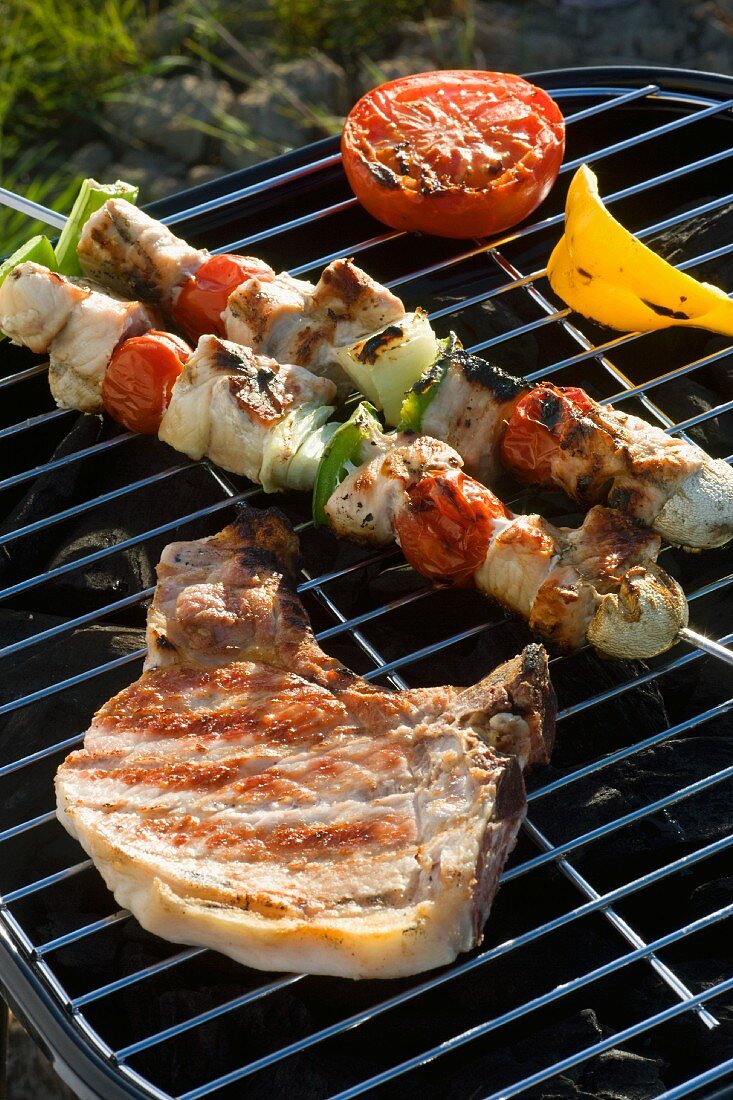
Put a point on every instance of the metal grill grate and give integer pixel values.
(127, 1015)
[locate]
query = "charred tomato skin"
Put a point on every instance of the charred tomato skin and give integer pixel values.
(458, 153)
(446, 527)
(203, 298)
(532, 439)
(140, 377)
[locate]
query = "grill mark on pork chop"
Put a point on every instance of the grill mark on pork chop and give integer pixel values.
(266, 845)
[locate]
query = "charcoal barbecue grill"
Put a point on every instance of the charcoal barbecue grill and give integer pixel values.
(606, 951)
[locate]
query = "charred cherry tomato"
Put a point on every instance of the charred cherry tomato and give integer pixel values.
(455, 153)
(139, 379)
(533, 435)
(203, 298)
(446, 529)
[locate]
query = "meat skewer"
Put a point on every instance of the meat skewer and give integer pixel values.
(267, 422)
(250, 794)
(245, 412)
(289, 319)
(553, 436)
(563, 438)
(76, 324)
(597, 584)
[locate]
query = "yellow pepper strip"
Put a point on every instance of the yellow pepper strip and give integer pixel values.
(602, 271)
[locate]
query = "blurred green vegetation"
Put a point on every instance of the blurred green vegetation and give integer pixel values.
(348, 30)
(61, 61)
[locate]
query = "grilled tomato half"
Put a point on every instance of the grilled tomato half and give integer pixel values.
(455, 153)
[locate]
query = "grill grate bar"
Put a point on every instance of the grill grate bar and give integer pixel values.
(54, 689)
(322, 261)
(544, 999)
(26, 826)
(236, 197)
(719, 410)
(81, 933)
(138, 976)
(211, 1014)
(642, 678)
(348, 204)
(368, 1014)
(668, 976)
(375, 613)
(90, 505)
(67, 460)
(618, 1039)
(33, 422)
(618, 823)
(660, 380)
(548, 223)
(631, 750)
(126, 544)
(648, 135)
(80, 620)
(49, 880)
(296, 223)
(23, 375)
(363, 643)
(708, 1078)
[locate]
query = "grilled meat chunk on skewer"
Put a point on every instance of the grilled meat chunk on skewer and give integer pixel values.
(297, 322)
(289, 319)
(76, 323)
(251, 795)
(127, 250)
(244, 411)
(36, 303)
(598, 583)
(598, 453)
(562, 437)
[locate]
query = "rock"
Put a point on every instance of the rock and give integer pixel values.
(537, 49)
(163, 112)
(235, 156)
(155, 175)
(445, 41)
(203, 173)
(30, 1074)
(91, 159)
(168, 29)
(374, 73)
(288, 107)
(621, 1075)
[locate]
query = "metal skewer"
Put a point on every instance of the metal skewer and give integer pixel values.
(32, 209)
(706, 644)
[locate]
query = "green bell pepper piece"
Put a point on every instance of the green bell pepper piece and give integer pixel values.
(91, 197)
(344, 452)
(38, 249)
(424, 390)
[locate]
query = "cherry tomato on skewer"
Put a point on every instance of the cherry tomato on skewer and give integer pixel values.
(140, 377)
(531, 442)
(445, 531)
(203, 298)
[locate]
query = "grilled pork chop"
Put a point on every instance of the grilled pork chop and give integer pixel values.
(252, 795)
